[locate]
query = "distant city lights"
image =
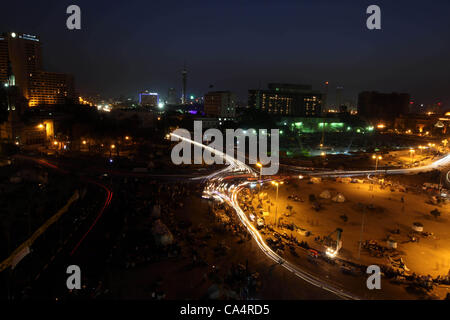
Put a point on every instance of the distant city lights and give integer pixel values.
(106, 107)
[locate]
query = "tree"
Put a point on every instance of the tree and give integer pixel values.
(256, 119)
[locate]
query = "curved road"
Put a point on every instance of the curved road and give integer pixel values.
(220, 192)
(237, 166)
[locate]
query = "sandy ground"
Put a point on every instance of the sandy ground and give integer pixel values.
(182, 281)
(429, 256)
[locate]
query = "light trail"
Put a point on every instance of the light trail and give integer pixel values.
(109, 195)
(436, 165)
(233, 202)
(236, 165)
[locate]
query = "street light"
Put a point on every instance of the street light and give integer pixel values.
(375, 157)
(259, 165)
(275, 183)
(113, 146)
(412, 151)
(421, 149)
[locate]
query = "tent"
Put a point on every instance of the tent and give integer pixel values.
(325, 194)
(339, 198)
(344, 180)
(316, 180)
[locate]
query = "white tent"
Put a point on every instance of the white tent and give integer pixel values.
(339, 198)
(316, 180)
(325, 194)
(344, 180)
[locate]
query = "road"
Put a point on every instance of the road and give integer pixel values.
(84, 244)
(228, 193)
(219, 190)
(436, 165)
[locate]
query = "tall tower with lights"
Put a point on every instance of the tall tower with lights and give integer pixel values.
(184, 77)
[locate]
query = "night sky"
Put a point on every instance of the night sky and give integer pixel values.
(128, 46)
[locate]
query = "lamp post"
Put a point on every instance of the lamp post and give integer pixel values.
(412, 151)
(259, 165)
(275, 183)
(376, 158)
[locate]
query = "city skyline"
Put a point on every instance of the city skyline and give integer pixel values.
(151, 54)
(244, 153)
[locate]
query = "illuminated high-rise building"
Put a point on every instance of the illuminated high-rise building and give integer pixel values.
(148, 99)
(23, 53)
(287, 99)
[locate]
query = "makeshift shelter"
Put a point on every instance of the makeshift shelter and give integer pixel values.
(316, 180)
(417, 226)
(339, 198)
(344, 180)
(325, 194)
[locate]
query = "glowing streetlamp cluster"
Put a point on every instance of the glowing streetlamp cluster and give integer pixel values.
(376, 158)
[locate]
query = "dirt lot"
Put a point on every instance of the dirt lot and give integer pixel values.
(383, 211)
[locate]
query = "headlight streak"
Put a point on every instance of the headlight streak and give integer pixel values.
(233, 202)
(235, 165)
(214, 187)
(341, 173)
